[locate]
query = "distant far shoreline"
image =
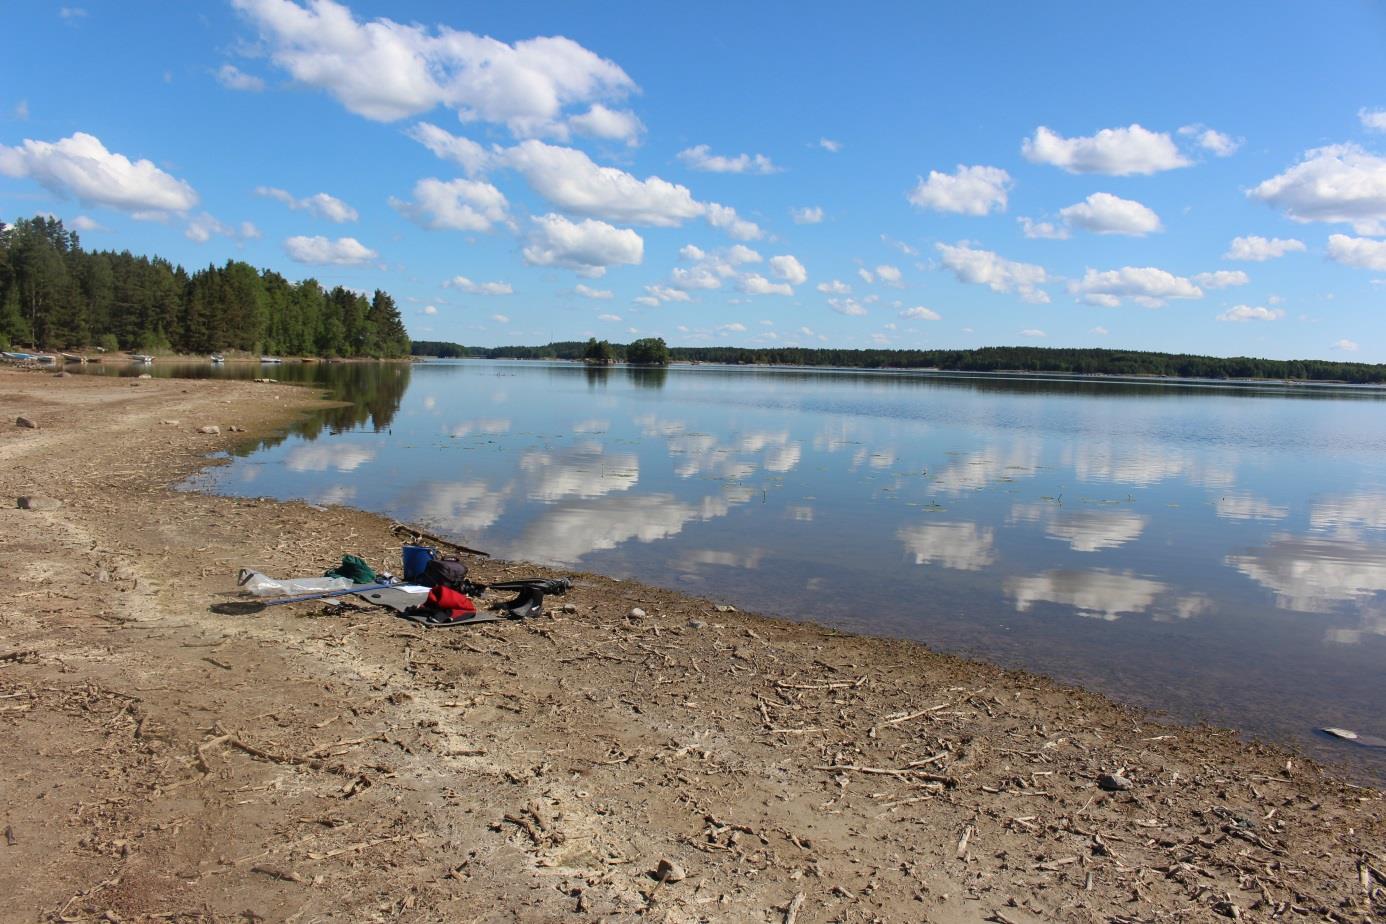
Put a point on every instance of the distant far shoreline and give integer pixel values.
(1012, 361)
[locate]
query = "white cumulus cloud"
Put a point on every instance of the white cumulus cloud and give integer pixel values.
(725, 217)
(700, 157)
(848, 306)
(1347, 346)
(1221, 279)
(1373, 120)
(1259, 249)
(203, 227)
(966, 191)
(756, 284)
(320, 204)
(609, 124)
(808, 215)
(1357, 251)
(1112, 151)
(789, 269)
(472, 157)
(80, 167)
(344, 251)
(1211, 140)
(588, 292)
(453, 205)
(830, 145)
(587, 247)
(1042, 230)
(890, 275)
(575, 183)
(233, 78)
(1251, 313)
(920, 313)
(835, 287)
(1338, 183)
(984, 267)
(464, 284)
(1146, 285)
(1033, 332)
(384, 70)
(1104, 213)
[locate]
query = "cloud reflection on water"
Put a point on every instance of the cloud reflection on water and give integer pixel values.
(584, 471)
(1099, 594)
(1315, 574)
(319, 457)
(577, 528)
(960, 546)
(1083, 530)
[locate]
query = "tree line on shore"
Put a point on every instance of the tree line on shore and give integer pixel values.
(986, 359)
(56, 295)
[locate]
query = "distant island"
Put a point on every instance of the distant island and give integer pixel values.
(985, 359)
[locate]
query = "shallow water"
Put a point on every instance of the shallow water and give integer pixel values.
(1216, 552)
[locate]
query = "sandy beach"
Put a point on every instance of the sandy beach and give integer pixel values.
(166, 762)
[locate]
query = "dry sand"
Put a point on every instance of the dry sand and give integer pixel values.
(162, 762)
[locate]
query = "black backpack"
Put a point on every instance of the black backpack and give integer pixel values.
(447, 571)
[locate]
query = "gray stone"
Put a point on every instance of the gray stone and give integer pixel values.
(669, 871)
(209, 430)
(570, 608)
(725, 608)
(696, 624)
(1114, 782)
(26, 422)
(635, 613)
(39, 503)
(146, 375)
(235, 429)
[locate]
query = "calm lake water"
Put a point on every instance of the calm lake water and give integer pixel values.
(1215, 552)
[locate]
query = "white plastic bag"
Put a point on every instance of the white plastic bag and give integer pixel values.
(256, 583)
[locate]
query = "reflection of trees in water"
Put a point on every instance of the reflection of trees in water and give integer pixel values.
(648, 376)
(596, 375)
(371, 391)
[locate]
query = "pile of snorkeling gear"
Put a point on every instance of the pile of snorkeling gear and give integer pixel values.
(435, 590)
(450, 596)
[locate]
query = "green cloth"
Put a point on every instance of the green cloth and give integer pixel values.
(353, 567)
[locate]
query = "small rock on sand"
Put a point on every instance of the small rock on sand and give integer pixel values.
(39, 503)
(146, 375)
(26, 422)
(169, 423)
(1114, 782)
(669, 871)
(635, 613)
(209, 430)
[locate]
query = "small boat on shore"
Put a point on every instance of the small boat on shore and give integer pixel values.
(217, 359)
(16, 357)
(141, 358)
(270, 360)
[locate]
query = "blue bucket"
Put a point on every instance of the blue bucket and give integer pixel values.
(416, 559)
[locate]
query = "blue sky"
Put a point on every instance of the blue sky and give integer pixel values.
(1208, 179)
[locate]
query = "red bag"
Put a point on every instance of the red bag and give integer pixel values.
(445, 601)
